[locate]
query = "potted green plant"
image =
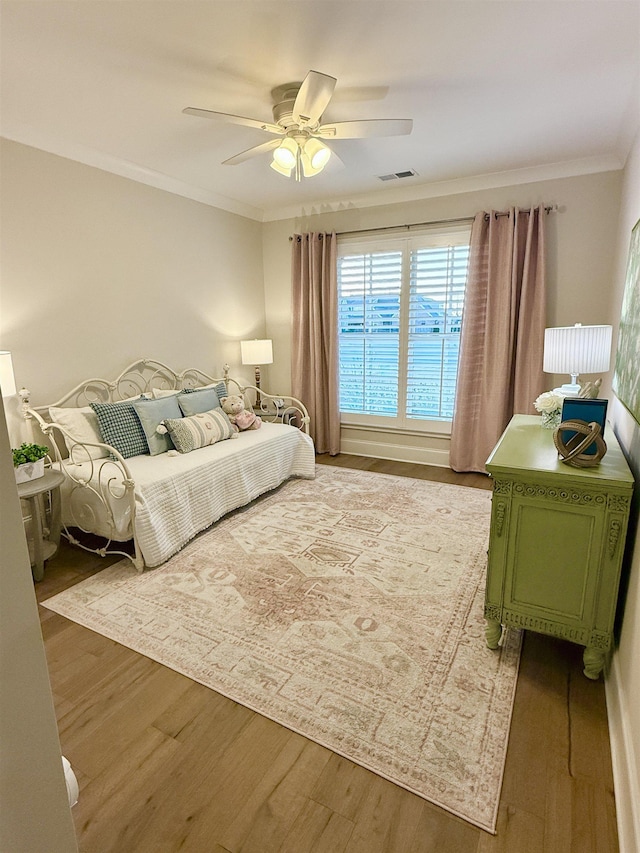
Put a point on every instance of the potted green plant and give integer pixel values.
(28, 461)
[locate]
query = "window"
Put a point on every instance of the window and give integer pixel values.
(399, 313)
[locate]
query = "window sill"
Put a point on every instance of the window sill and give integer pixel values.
(432, 429)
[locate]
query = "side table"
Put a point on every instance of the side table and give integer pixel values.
(556, 541)
(41, 548)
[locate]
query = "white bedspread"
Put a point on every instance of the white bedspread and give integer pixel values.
(177, 496)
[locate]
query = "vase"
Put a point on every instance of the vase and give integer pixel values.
(29, 471)
(550, 420)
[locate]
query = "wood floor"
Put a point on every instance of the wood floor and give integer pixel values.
(165, 764)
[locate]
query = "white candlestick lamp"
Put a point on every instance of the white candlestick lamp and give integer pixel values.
(257, 352)
(575, 350)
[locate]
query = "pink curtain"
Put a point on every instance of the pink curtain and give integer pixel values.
(314, 355)
(500, 367)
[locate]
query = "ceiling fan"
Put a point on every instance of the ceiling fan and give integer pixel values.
(299, 148)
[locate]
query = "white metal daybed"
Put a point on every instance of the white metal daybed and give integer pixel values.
(162, 501)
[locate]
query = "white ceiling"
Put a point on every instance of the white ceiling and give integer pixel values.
(491, 85)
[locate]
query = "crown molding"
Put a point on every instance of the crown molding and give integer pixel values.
(388, 195)
(492, 180)
(132, 171)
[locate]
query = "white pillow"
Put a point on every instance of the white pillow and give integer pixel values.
(167, 392)
(82, 423)
(219, 385)
(158, 393)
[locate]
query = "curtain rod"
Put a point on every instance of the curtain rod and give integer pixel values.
(409, 226)
(551, 208)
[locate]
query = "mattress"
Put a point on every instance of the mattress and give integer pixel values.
(179, 495)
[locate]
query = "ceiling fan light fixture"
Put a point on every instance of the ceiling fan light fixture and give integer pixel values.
(282, 170)
(307, 167)
(286, 153)
(318, 154)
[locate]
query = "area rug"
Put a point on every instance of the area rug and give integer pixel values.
(347, 608)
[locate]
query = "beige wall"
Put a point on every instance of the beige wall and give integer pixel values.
(623, 687)
(98, 270)
(581, 250)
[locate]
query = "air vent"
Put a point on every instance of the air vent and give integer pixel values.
(407, 173)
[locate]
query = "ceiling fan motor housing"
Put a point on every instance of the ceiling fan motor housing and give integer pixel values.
(283, 108)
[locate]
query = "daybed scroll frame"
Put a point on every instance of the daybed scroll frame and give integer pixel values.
(107, 478)
(114, 484)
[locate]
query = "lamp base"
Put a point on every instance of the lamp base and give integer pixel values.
(258, 398)
(569, 389)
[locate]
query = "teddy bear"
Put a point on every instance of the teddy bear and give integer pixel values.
(240, 417)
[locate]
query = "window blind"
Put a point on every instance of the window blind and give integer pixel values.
(437, 283)
(369, 339)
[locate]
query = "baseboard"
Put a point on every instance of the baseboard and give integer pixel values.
(626, 771)
(394, 452)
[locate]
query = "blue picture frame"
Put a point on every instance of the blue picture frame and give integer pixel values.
(586, 409)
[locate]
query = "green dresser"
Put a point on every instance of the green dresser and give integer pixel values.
(557, 540)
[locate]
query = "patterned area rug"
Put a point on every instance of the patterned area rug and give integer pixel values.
(349, 609)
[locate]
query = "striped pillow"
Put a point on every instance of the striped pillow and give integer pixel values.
(199, 430)
(221, 390)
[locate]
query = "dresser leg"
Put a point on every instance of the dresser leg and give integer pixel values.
(493, 633)
(593, 660)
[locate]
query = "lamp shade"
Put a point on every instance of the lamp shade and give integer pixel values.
(286, 153)
(281, 169)
(7, 378)
(256, 352)
(318, 153)
(307, 169)
(577, 349)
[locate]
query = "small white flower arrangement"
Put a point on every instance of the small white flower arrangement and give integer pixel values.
(548, 402)
(549, 405)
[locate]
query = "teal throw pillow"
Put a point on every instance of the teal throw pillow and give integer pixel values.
(198, 401)
(151, 413)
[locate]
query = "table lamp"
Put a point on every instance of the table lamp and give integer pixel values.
(8, 389)
(257, 353)
(575, 350)
(7, 378)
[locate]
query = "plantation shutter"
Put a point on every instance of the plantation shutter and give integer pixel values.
(369, 289)
(400, 303)
(437, 283)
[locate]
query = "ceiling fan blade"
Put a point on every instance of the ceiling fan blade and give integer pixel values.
(312, 98)
(270, 145)
(366, 127)
(228, 117)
